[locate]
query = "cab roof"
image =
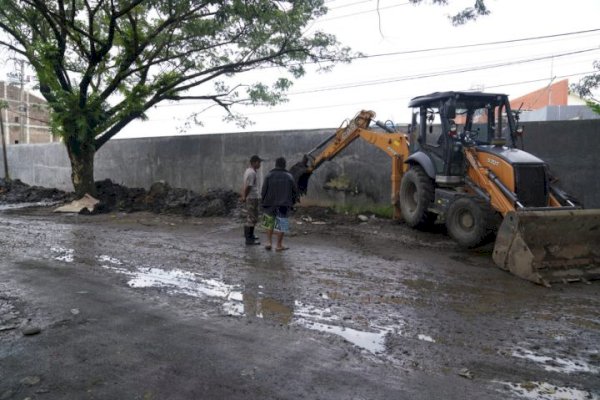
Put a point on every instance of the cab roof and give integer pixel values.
(441, 96)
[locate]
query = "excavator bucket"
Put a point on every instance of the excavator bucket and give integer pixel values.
(550, 245)
(301, 174)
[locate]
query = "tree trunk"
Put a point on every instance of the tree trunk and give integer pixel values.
(82, 155)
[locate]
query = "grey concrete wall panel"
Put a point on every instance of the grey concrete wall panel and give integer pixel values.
(39, 164)
(571, 150)
(218, 161)
(559, 113)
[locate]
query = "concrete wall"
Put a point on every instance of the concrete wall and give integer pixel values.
(572, 150)
(210, 161)
(559, 113)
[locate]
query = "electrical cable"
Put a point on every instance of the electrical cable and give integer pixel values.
(441, 73)
(400, 98)
(361, 12)
(463, 46)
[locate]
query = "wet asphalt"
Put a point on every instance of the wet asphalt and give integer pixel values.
(145, 306)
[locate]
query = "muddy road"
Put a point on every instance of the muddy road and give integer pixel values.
(145, 306)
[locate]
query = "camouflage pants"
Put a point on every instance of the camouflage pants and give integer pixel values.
(250, 212)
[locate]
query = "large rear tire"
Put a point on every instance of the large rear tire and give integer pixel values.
(416, 196)
(468, 221)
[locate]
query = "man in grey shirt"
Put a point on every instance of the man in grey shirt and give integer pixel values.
(251, 199)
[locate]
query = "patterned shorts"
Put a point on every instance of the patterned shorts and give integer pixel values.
(275, 218)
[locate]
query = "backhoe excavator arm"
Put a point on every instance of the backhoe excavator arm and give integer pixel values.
(393, 144)
(342, 138)
(501, 198)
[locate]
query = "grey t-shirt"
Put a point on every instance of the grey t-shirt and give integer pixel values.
(251, 180)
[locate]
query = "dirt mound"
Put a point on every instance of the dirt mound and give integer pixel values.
(161, 198)
(15, 191)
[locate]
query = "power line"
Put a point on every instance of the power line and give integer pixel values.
(361, 12)
(404, 98)
(441, 73)
(380, 100)
(421, 76)
(462, 46)
(538, 80)
(350, 4)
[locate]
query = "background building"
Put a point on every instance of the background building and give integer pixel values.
(552, 103)
(26, 120)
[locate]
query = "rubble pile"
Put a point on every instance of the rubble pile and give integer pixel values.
(161, 198)
(15, 191)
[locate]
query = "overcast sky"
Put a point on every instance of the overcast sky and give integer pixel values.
(385, 84)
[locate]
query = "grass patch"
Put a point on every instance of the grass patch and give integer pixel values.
(378, 211)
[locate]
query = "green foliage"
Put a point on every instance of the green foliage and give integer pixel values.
(463, 16)
(587, 86)
(101, 64)
(594, 106)
(378, 211)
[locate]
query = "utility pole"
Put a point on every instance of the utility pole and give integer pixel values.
(19, 77)
(22, 106)
(3, 105)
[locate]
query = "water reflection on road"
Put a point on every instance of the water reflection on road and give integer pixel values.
(249, 300)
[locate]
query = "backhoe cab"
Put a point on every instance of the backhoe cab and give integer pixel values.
(444, 123)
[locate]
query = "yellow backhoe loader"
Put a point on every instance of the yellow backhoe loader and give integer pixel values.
(459, 164)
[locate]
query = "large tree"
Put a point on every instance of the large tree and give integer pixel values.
(103, 63)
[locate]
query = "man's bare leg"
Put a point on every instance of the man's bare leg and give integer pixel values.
(269, 239)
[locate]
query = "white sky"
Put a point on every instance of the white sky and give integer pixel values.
(404, 27)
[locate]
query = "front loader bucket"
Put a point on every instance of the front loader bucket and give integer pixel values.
(550, 245)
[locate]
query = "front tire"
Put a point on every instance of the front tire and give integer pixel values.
(416, 196)
(468, 221)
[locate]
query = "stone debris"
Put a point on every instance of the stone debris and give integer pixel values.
(465, 373)
(31, 380)
(31, 330)
(7, 327)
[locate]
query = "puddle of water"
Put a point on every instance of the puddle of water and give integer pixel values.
(426, 338)
(175, 281)
(237, 304)
(234, 308)
(62, 254)
(370, 341)
(547, 391)
(110, 260)
(16, 206)
(556, 364)
(311, 317)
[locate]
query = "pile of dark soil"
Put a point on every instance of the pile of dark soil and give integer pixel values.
(161, 198)
(15, 191)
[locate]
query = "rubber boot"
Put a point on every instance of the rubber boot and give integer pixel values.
(253, 236)
(248, 235)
